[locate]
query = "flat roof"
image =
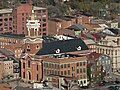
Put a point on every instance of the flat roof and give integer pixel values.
(5, 11)
(38, 8)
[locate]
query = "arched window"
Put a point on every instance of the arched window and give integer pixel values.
(29, 75)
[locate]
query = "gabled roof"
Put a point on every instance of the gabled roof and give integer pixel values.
(62, 47)
(111, 31)
(6, 52)
(76, 27)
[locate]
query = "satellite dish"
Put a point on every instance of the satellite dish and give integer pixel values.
(58, 51)
(79, 48)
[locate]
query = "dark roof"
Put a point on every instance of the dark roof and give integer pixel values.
(115, 31)
(20, 36)
(6, 52)
(63, 46)
(76, 27)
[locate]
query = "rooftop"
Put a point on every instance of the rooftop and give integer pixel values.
(5, 11)
(77, 27)
(38, 8)
(13, 36)
(62, 46)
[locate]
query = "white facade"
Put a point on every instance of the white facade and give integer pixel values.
(8, 67)
(110, 45)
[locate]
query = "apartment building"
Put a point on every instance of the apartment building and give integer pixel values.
(22, 12)
(66, 65)
(6, 21)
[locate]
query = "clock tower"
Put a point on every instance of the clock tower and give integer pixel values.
(33, 41)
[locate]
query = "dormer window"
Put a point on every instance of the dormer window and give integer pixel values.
(79, 48)
(57, 51)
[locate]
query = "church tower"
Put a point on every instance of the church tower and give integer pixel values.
(33, 41)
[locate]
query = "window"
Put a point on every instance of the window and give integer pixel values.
(57, 66)
(55, 72)
(23, 65)
(80, 63)
(28, 46)
(10, 19)
(68, 65)
(81, 70)
(44, 29)
(22, 19)
(44, 33)
(84, 70)
(29, 75)
(61, 66)
(44, 20)
(52, 65)
(44, 24)
(65, 73)
(0, 20)
(5, 19)
(1, 15)
(115, 52)
(84, 63)
(37, 67)
(23, 74)
(84, 81)
(77, 64)
(52, 71)
(37, 77)
(68, 72)
(37, 47)
(64, 65)
(77, 71)
(28, 63)
(49, 65)
(22, 14)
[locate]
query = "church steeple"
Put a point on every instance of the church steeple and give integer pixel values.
(33, 25)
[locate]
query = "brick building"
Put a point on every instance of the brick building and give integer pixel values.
(21, 14)
(30, 43)
(32, 66)
(14, 20)
(31, 69)
(60, 23)
(13, 43)
(66, 65)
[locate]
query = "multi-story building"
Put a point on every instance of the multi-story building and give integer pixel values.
(21, 14)
(14, 20)
(66, 65)
(30, 43)
(9, 64)
(32, 67)
(99, 67)
(110, 45)
(13, 43)
(58, 23)
(6, 20)
(7, 67)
